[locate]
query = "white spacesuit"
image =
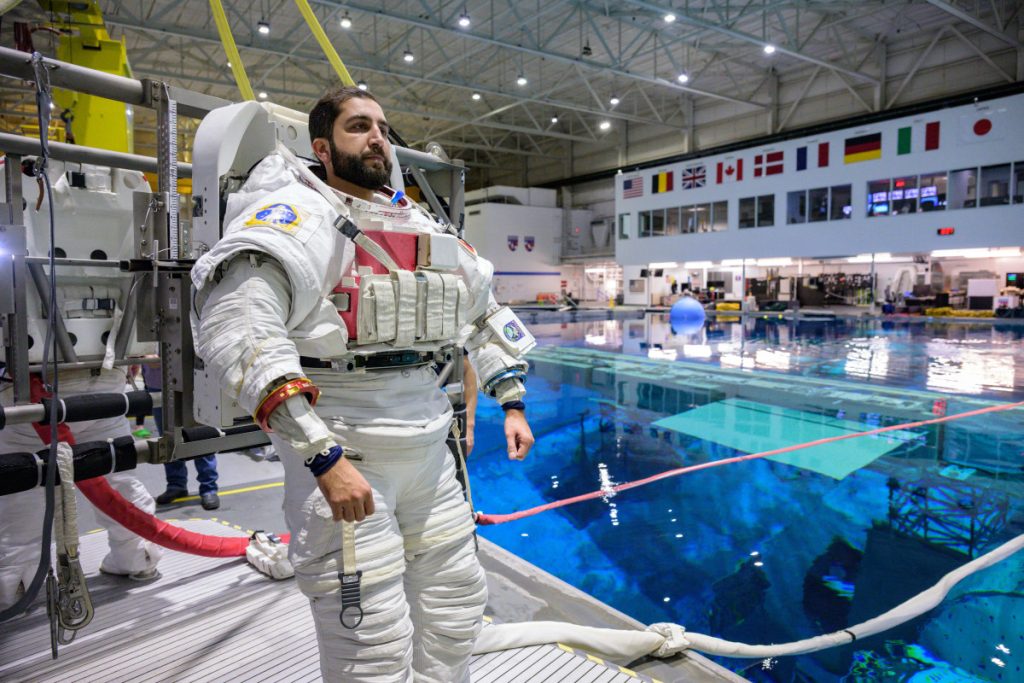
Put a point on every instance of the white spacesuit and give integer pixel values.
(281, 285)
(21, 513)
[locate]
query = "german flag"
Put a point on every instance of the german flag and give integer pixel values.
(863, 148)
(661, 182)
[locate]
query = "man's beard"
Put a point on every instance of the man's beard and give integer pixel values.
(352, 168)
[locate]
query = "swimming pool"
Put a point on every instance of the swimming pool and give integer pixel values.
(780, 549)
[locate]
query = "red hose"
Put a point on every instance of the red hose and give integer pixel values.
(101, 494)
(485, 519)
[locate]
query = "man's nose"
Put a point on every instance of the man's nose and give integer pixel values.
(377, 136)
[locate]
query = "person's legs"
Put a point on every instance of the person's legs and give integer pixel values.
(444, 583)
(130, 555)
(206, 473)
(177, 476)
(21, 528)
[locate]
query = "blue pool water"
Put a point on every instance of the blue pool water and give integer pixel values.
(778, 550)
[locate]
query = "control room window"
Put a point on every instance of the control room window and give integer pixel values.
(842, 203)
(904, 195)
(878, 198)
(765, 210)
(932, 192)
(1018, 182)
(817, 204)
(963, 188)
(719, 216)
(748, 212)
(672, 221)
(796, 207)
(995, 185)
(697, 218)
(645, 224)
(624, 226)
(657, 222)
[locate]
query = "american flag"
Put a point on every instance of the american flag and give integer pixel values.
(693, 176)
(632, 187)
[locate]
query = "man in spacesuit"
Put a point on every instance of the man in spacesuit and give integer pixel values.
(21, 513)
(338, 291)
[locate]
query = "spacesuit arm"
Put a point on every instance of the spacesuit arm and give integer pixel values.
(242, 337)
(499, 361)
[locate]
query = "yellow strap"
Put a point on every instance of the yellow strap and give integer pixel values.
(228, 41)
(325, 44)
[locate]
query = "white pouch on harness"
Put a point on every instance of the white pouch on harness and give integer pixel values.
(510, 331)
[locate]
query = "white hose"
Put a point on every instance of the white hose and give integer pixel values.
(661, 640)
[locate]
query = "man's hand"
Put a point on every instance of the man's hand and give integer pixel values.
(347, 492)
(518, 434)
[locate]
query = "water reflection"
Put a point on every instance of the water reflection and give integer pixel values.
(958, 358)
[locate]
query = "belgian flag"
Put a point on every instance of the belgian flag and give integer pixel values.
(661, 182)
(863, 148)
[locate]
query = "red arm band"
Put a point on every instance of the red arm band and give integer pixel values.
(281, 394)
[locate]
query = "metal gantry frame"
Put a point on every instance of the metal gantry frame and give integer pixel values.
(158, 301)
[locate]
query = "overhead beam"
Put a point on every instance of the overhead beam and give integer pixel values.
(974, 21)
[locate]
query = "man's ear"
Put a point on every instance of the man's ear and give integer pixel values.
(322, 150)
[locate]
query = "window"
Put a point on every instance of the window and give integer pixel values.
(842, 203)
(657, 222)
(1018, 182)
(904, 194)
(623, 226)
(719, 216)
(748, 212)
(932, 192)
(796, 207)
(817, 204)
(672, 226)
(878, 198)
(645, 224)
(963, 188)
(697, 218)
(995, 185)
(765, 210)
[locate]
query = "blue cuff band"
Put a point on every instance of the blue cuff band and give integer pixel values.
(323, 462)
(513, 405)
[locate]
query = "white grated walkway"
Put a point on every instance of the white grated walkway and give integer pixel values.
(216, 620)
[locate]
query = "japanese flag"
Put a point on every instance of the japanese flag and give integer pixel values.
(983, 125)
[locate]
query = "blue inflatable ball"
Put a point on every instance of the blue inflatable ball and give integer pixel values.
(686, 316)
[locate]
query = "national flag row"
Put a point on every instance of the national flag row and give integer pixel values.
(985, 127)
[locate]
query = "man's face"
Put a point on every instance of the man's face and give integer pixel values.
(360, 151)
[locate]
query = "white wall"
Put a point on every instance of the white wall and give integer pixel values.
(520, 274)
(978, 227)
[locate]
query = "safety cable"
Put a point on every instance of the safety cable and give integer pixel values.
(488, 519)
(42, 82)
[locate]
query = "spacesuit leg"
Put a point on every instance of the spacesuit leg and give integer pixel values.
(21, 527)
(444, 582)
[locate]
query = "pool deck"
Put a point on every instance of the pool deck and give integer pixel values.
(218, 619)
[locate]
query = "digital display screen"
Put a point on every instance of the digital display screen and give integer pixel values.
(911, 193)
(929, 191)
(897, 194)
(879, 196)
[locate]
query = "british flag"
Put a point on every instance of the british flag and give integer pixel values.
(693, 176)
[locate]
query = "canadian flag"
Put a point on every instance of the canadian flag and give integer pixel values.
(729, 170)
(984, 125)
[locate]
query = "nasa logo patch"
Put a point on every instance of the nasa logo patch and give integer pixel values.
(280, 216)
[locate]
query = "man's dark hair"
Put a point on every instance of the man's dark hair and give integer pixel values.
(327, 108)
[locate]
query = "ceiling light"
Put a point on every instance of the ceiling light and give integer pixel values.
(362, 85)
(669, 18)
(554, 119)
(475, 96)
(769, 49)
(346, 21)
(464, 19)
(665, 264)
(262, 27)
(408, 56)
(229, 64)
(263, 94)
(604, 125)
(52, 106)
(521, 80)
(586, 51)
(683, 78)
(614, 100)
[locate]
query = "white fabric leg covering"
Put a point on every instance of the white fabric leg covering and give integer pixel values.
(21, 528)
(447, 593)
